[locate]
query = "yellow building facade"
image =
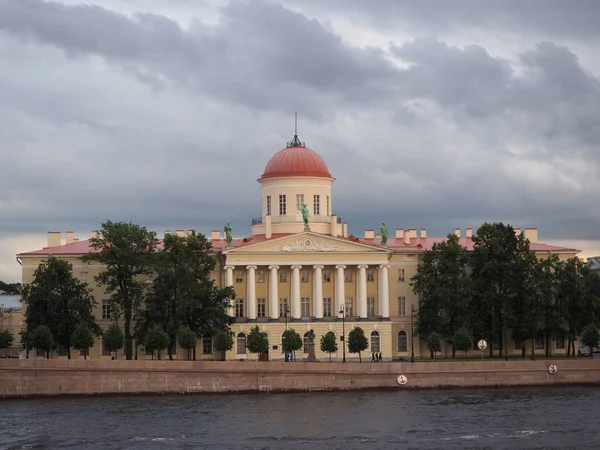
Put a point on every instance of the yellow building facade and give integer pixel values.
(299, 268)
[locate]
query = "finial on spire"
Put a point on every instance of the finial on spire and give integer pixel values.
(296, 142)
(296, 123)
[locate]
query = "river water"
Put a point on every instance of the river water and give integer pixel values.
(519, 418)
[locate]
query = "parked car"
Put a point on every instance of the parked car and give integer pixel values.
(585, 351)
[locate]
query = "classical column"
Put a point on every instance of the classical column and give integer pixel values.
(340, 294)
(318, 291)
(251, 292)
(273, 294)
(384, 292)
(362, 291)
(228, 283)
(296, 310)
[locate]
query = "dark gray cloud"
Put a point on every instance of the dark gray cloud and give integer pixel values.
(145, 117)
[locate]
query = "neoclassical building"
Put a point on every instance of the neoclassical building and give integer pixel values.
(289, 273)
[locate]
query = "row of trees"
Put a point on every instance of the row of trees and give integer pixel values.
(502, 289)
(10, 288)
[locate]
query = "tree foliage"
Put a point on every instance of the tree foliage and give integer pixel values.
(113, 338)
(329, 343)
(223, 342)
(83, 338)
(59, 301)
(257, 341)
(463, 340)
(157, 339)
(291, 341)
(10, 288)
(434, 343)
(6, 339)
(357, 341)
(41, 338)
(590, 337)
(187, 339)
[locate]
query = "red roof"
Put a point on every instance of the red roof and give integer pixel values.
(296, 161)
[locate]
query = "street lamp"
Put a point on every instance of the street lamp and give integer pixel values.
(412, 333)
(343, 313)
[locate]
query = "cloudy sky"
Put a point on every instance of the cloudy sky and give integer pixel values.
(430, 114)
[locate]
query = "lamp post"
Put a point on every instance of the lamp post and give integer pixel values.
(285, 313)
(343, 313)
(412, 333)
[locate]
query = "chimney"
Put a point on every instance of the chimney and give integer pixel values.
(457, 232)
(268, 232)
(469, 233)
(180, 233)
(423, 233)
(369, 234)
(531, 234)
(345, 230)
(69, 235)
(412, 233)
(191, 232)
(517, 231)
(407, 237)
(399, 233)
(95, 234)
(54, 238)
(216, 235)
(333, 225)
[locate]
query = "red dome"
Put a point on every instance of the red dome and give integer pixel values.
(296, 161)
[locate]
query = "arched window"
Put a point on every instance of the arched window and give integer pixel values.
(402, 341)
(241, 344)
(375, 347)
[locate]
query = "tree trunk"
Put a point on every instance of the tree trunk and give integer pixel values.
(453, 351)
(533, 349)
(128, 339)
(523, 355)
(547, 345)
(329, 356)
(359, 358)
(171, 345)
(194, 353)
(431, 356)
(84, 354)
(491, 349)
(68, 352)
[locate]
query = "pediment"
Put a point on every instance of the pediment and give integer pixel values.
(307, 242)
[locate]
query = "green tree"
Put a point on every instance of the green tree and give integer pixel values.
(157, 339)
(223, 342)
(113, 338)
(590, 337)
(463, 340)
(329, 343)
(42, 339)
(434, 343)
(183, 292)
(257, 341)
(187, 339)
(83, 338)
(6, 340)
(59, 301)
(357, 341)
(10, 288)
(126, 251)
(291, 341)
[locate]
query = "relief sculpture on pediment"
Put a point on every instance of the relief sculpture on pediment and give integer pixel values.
(308, 244)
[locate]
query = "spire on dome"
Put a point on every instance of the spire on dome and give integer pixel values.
(295, 142)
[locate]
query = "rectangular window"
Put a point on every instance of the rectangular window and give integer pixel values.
(326, 276)
(282, 205)
(560, 343)
(239, 276)
(518, 345)
(305, 306)
(299, 201)
(539, 343)
(207, 345)
(349, 307)
(348, 276)
(371, 307)
(261, 307)
(327, 307)
(239, 307)
(328, 211)
(304, 276)
(317, 205)
(370, 275)
(401, 306)
(260, 276)
(268, 204)
(400, 274)
(282, 276)
(283, 307)
(106, 309)
(84, 277)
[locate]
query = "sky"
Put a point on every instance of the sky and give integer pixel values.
(429, 114)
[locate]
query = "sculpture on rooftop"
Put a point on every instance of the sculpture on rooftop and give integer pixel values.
(304, 210)
(228, 231)
(384, 233)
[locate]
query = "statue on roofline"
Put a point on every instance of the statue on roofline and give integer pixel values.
(228, 231)
(304, 210)
(384, 233)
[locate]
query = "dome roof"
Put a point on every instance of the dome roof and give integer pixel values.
(296, 161)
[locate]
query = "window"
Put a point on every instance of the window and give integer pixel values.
(371, 307)
(239, 276)
(261, 307)
(282, 205)
(402, 341)
(106, 309)
(560, 342)
(304, 276)
(348, 276)
(327, 307)
(241, 344)
(317, 205)
(239, 307)
(375, 347)
(326, 276)
(84, 277)
(539, 343)
(349, 307)
(207, 345)
(282, 276)
(306, 342)
(401, 306)
(268, 204)
(400, 274)
(518, 345)
(283, 307)
(260, 276)
(328, 212)
(370, 275)
(299, 201)
(305, 306)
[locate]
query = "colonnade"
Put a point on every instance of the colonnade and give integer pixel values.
(317, 292)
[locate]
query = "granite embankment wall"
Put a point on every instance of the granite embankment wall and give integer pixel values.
(39, 377)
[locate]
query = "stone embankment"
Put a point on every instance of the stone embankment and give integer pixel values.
(40, 377)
